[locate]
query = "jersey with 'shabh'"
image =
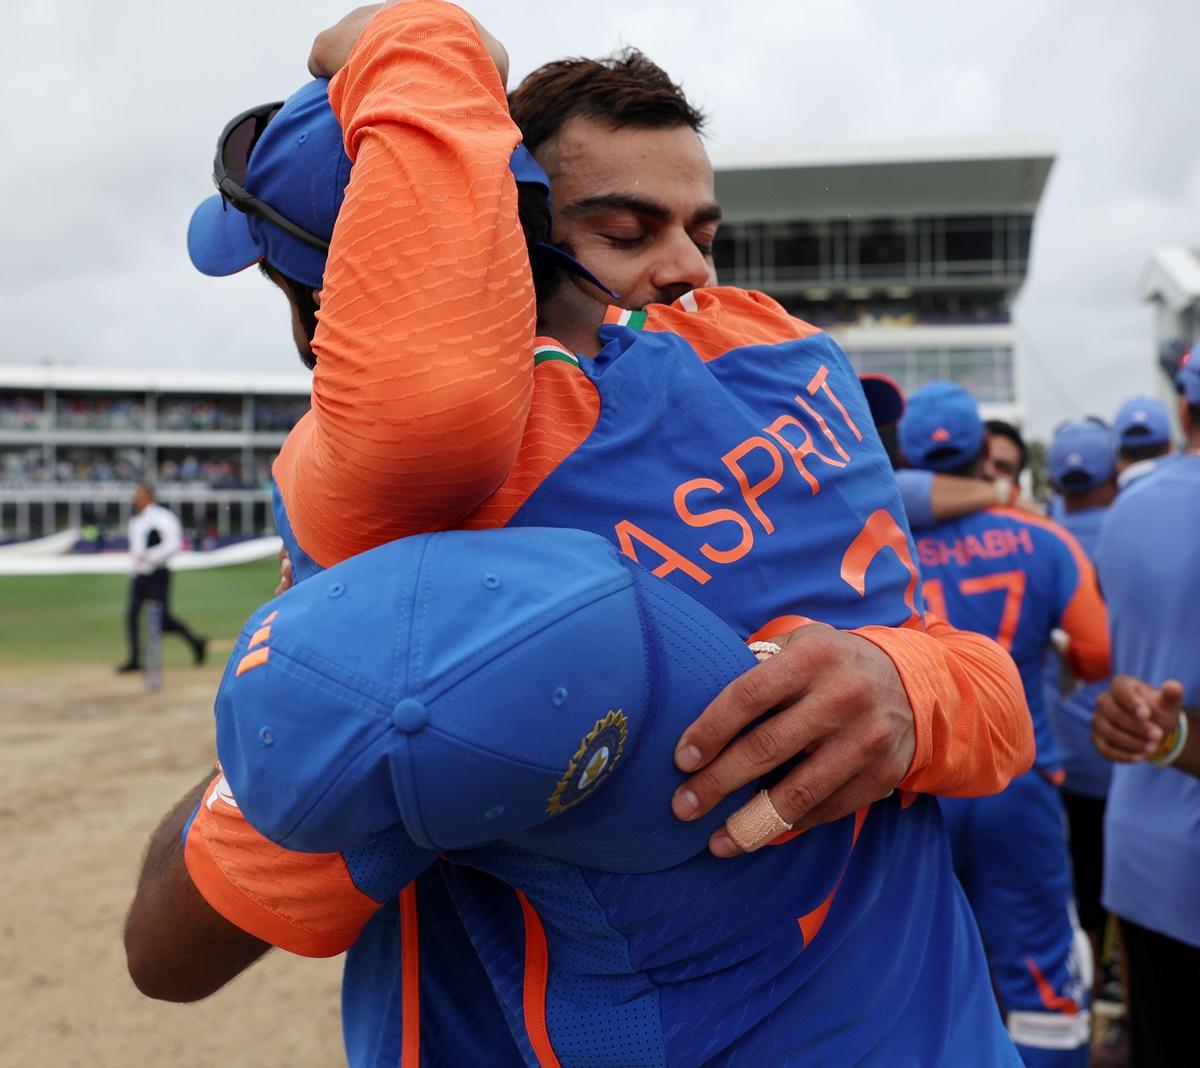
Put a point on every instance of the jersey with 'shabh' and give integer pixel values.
(750, 477)
(1016, 577)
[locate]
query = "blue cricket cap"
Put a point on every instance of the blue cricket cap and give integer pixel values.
(941, 428)
(1082, 456)
(470, 686)
(300, 168)
(1187, 378)
(884, 398)
(1142, 421)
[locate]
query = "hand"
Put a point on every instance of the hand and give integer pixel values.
(285, 572)
(332, 47)
(1132, 718)
(833, 696)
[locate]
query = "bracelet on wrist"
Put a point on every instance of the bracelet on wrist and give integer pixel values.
(1172, 745)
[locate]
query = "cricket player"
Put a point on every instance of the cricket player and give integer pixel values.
(155, 535)
(1015, 577)
(577, 422)
(1149, 566)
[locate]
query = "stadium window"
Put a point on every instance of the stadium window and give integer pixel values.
(881, 248)
(972, 245)
(797, 250)
(897, 364)
(929, 365)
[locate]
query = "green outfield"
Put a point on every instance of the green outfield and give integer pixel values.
(80, 619)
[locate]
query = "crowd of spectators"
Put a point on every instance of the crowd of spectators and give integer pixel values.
(20, 411)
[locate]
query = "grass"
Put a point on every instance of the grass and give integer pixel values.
(80, 619)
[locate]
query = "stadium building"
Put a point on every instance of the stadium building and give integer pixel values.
(1170, 283)
(75, 441)
(911, 260)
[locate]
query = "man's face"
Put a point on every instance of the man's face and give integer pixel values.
(635, 205)
(1003, 458)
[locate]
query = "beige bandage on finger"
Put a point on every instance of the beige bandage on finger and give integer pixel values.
(756, 823)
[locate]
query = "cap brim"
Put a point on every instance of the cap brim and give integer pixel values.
(884, 398)
(219, 239)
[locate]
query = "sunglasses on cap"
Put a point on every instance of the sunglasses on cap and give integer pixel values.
(234, 146)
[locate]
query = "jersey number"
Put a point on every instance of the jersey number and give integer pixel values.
(1011, 582)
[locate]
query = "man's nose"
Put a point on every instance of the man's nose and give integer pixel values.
(682, 264)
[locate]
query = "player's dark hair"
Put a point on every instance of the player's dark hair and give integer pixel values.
(999, 428)
(624, 89)
(966, 469)
(1136, 453)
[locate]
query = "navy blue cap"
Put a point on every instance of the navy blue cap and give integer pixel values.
(1187, 378)
(884, 398)
(470, 686)
(1142, 421)
(941, 428)
(1082, 456)
(300, 168)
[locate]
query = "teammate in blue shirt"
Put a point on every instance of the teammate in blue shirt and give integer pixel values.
(1015, 577)
(1143, 431)
(1149, 563)
(1081, 462)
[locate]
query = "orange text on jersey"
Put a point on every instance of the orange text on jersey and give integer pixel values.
(791, 437)
(994, 544)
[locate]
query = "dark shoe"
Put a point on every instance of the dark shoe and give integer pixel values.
(1114, 1050)
(200, 651)
(128, 667)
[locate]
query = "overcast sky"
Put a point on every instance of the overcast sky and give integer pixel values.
(110, 114)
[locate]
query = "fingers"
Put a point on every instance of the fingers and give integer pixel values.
(751, 695)
(764, 748)
(1121, 726)
(818, 791)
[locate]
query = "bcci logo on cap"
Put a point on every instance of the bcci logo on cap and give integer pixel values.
(593, 762)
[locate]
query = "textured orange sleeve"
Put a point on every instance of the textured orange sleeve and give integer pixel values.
(305, 903)
(974, 732)
(1086, 622)
(425, 332)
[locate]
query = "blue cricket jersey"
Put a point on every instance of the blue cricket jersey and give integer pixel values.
(1015, 577)
(1087, 772)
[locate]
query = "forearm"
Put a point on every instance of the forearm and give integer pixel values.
(177, 948)
(424, 374)
(952, 496)
(1189, 759)
(974, 733)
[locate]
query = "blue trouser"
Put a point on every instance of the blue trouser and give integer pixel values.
(1010, 853)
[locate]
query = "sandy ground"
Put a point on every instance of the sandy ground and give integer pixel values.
(88, 766)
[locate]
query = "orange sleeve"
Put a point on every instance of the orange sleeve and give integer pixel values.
(425, 332)
(1085, 620)
(974, 732)
(305, 903)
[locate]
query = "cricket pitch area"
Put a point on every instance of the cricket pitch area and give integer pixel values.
(89, 764)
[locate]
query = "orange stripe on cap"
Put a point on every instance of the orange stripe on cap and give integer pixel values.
(537, 976)
(410, 980)
(253, 660)
(259, 636)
